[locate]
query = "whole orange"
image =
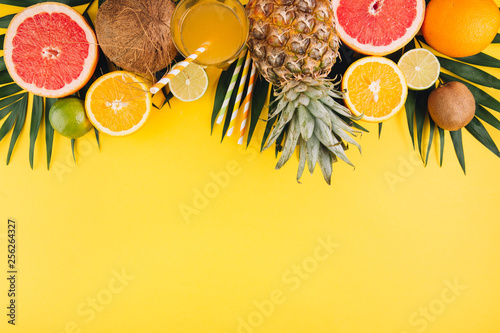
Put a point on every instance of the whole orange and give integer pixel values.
(460, 28)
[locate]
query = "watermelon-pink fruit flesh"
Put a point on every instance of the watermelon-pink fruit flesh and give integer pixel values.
(49, 50)
(376, 22)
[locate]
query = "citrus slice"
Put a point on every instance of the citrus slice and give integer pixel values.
(420, 67)
(118, 103)
(376, 88)
(190, 84)
(50, 50)
(378, 27)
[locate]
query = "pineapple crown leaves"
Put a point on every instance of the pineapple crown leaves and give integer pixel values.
(14, 101)
(305, 113)
(462, 70)
(308, 115)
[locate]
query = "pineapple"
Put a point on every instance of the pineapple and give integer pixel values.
(294, 45)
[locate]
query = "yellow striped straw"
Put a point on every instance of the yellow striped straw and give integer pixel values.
(177, 69)
(225, 104)
(238, 97)
(246, 103)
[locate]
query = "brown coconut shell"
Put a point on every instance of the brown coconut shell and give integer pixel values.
(135, 34)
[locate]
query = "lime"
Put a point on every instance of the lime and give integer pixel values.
(190, 84)
(420, 67)
(67, 117)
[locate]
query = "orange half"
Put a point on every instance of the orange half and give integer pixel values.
(118, 103)
(375, 87)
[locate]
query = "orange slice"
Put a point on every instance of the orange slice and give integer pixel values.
(376, 88)
(118, 103)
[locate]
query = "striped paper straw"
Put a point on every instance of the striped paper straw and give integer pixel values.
(246, 103)
(225, 104)
(177, 69)
(238, 97)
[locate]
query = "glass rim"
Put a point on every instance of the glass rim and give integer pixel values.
(222, 63)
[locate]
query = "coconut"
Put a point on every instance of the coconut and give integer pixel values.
(135, 34)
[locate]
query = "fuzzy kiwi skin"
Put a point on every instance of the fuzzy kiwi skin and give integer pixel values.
(451, 106)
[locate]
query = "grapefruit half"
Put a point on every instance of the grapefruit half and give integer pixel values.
(50, 50)
(378, 27)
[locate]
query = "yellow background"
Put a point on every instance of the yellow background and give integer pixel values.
(232, 265)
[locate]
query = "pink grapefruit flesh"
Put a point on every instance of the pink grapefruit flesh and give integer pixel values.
(378, 27)
(50, 50)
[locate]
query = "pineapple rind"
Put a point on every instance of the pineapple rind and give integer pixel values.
(294, 45)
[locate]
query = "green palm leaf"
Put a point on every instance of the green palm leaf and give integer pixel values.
(49, 130)
(441, 145)
(21, 110)
(420, 113)
(456, 138)
(432, 126)
(97, 137)
(270, 122)
(481, 59)
(259, 99)
(5, 77)
(7, 104)
(73, 149)
(9, 89)
(470, 73)
(36, 120)
(5, 21)
(481, 134)
(486, 116)
(8, 124)
(410, 114)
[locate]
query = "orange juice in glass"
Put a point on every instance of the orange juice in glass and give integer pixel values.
(220, 23)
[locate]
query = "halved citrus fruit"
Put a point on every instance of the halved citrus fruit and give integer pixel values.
(190, 84)
(420, 67)
(118, 103)
(375, 87)
(50, 50)
(378, 27)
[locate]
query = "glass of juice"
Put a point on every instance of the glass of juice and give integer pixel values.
(221, 23)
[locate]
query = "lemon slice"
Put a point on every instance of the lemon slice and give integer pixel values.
(190, 84)
(420, 67)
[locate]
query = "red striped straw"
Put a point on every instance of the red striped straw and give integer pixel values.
(246, 103)
(177, 69)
